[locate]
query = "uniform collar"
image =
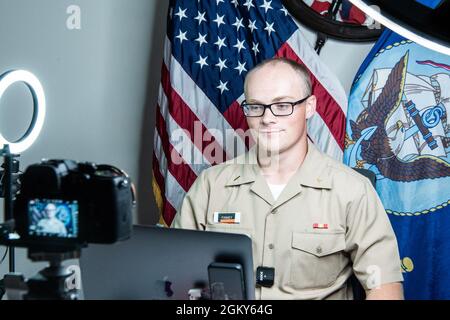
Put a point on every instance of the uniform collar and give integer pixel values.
(312, 173)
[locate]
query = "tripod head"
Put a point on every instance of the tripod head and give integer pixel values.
(51, 283)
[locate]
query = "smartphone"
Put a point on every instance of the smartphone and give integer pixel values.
(226, 281)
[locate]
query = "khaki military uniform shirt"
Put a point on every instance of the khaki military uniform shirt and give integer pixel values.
(309, 262)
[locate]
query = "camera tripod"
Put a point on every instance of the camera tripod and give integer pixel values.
(51, 283)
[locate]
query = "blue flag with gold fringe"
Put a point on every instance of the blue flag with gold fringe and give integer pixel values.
(398, 126)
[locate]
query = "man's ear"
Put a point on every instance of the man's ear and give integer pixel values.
(310, 106)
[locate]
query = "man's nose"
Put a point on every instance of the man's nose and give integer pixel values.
(268, 117)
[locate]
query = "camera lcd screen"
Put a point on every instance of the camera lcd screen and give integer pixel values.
(53, 218)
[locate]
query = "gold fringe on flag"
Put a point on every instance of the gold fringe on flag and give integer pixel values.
(159, 201)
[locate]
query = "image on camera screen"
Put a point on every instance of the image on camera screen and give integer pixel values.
(53, 218)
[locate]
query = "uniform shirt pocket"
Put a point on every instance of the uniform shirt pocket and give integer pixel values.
(316, 259)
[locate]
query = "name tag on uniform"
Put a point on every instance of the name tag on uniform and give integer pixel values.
(227, 217)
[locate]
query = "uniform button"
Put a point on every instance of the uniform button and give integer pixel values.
(319, 250)
(271, 246)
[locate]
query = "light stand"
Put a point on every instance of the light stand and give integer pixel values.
(9, 189)
(11, 150)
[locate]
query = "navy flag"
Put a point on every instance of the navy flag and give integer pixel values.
(397, 127)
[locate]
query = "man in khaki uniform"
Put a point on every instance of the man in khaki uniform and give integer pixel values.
(311, 218)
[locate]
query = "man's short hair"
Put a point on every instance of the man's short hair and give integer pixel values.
(300, 69)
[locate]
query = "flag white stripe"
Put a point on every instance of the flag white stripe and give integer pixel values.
(201, 105)
(180, 140)
(241, 98)
(159, 153)
(322, 137)
(326, 78)
(174, 192)
(317, 128)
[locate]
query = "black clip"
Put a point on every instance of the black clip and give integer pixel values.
(265, 276)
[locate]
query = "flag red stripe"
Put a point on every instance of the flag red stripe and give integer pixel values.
(158, 176)
(167, 209)
(320, 6)
(186, 119)
(356, 15)
(181, 172)
(327, 107)
(236, 119)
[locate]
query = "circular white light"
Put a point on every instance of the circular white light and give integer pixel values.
(371, 11)
(37, 122)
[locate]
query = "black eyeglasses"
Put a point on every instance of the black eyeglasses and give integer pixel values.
(280, 109)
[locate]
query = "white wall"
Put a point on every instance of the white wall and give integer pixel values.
(342, 58)
(101, 83)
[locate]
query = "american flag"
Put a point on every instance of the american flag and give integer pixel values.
(209, 48)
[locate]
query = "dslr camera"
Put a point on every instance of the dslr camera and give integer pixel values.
(64, 205)
(61, 206)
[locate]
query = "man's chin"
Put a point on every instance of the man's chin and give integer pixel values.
(269, 149)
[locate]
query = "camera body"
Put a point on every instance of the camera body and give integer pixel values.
(64, 205)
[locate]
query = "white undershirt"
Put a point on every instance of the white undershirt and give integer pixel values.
(276, 189)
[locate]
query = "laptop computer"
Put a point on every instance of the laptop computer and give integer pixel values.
(162, 263)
